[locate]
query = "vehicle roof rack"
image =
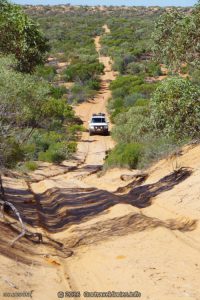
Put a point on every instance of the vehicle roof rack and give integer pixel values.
(99, 114)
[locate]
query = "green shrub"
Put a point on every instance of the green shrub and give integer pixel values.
(132, 125)
(195, 76)
(71, 147)
(141, 102)
(124, 155)
(29, 150)
(126, 91)
(76, 128)
(83, 71)
(126, 82)
(58, 109)
(135, 68)
(31, 165)
(139, 51)
(51, 156)
(94, 84)
(43, 140)
(47, 72)
(120, 92)
(157, 148)
(131, 100)
(121, 63)
(56, 153)
(175, 108)
(58, 91)
(80, 93)
(145, 89)
(153, 69)
(13, 153)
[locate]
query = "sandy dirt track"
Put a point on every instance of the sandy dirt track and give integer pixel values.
(93, 148)
(107, 233)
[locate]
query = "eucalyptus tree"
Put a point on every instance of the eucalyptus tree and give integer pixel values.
(176, 38)
(21, 36)
(175, 109)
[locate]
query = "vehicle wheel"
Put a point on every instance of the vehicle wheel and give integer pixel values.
(90, 133)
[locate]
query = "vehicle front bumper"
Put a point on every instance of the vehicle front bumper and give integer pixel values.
(98, 129)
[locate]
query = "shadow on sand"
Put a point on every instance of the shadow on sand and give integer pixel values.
(57, 209)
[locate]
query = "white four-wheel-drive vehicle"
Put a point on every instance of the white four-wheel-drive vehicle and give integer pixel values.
(98, 124)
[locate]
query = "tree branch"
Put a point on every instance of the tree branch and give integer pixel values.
(3, 204)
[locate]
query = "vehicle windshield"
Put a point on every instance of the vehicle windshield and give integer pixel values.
(98, 120)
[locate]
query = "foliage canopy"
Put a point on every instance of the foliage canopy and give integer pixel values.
(175, 108)
(21, 36)
(176, 38)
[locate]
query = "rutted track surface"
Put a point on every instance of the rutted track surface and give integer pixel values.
(57, 205)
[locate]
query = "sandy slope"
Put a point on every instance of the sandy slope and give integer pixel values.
(142, 237)
(158, 261)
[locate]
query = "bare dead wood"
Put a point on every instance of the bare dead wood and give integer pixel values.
(2, 192)
(23, 228)
(23, 231)
(10, 283)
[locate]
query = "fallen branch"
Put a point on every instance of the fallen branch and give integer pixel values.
(23, 228)
(3, 204)
(10, 283)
